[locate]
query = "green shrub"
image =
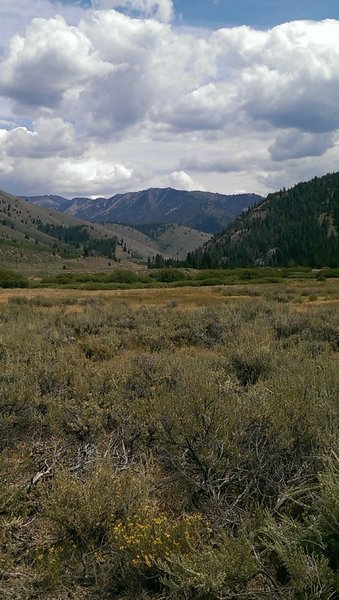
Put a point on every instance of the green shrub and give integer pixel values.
(10, 279)
(251, 365)
(169, 275)
(218, 571)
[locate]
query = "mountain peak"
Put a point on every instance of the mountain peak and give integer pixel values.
(205, 211)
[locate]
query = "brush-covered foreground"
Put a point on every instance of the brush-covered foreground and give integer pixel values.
(162, 452)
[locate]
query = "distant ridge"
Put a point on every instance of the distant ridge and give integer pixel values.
(25, 223)
(30, 225)
(299, 226)
(204, 211)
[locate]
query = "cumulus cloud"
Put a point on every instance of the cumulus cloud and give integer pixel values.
(123, 96)
(86, 175)
(6, 167)
(289, 74)
(159, 9)
(181, 180)
(207, 107)
(286, 76)
(93, 173)
(232, 105)
(17, 14)
(49, 137)
(154, 67)
(52, 57)
(296, 144)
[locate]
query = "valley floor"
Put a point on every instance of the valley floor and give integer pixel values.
(305, 293)
(170, 443)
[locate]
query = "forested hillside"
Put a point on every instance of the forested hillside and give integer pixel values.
(290, 227)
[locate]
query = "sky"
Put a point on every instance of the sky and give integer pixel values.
(99, 97)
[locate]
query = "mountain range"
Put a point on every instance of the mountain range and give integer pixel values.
(26, 226)
(203, 211)
(299, 226)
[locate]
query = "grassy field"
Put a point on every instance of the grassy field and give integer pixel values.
(299, 292)
(35, 264)
(170, 443)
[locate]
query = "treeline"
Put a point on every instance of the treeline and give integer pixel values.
(78, 236)
(171, 277)
(291, 227)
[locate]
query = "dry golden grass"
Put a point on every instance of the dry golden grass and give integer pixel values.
(302, 293)
(189, 295)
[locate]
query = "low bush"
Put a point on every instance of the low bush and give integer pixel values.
(10, 279)
(168, 452)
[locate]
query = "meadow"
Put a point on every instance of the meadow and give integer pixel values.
(170, 443)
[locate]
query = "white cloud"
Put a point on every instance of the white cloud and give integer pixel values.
(154, 66)
(181, 180)
(86, 175)
(49, 137)
(15, 15)
(207, 107)
(159, 9)
(124, 96)
(6, 167)
(119, 101)
(93, 174)
(52, 57)
(289, 75)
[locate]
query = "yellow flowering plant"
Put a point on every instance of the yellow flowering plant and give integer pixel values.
(147, 538)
